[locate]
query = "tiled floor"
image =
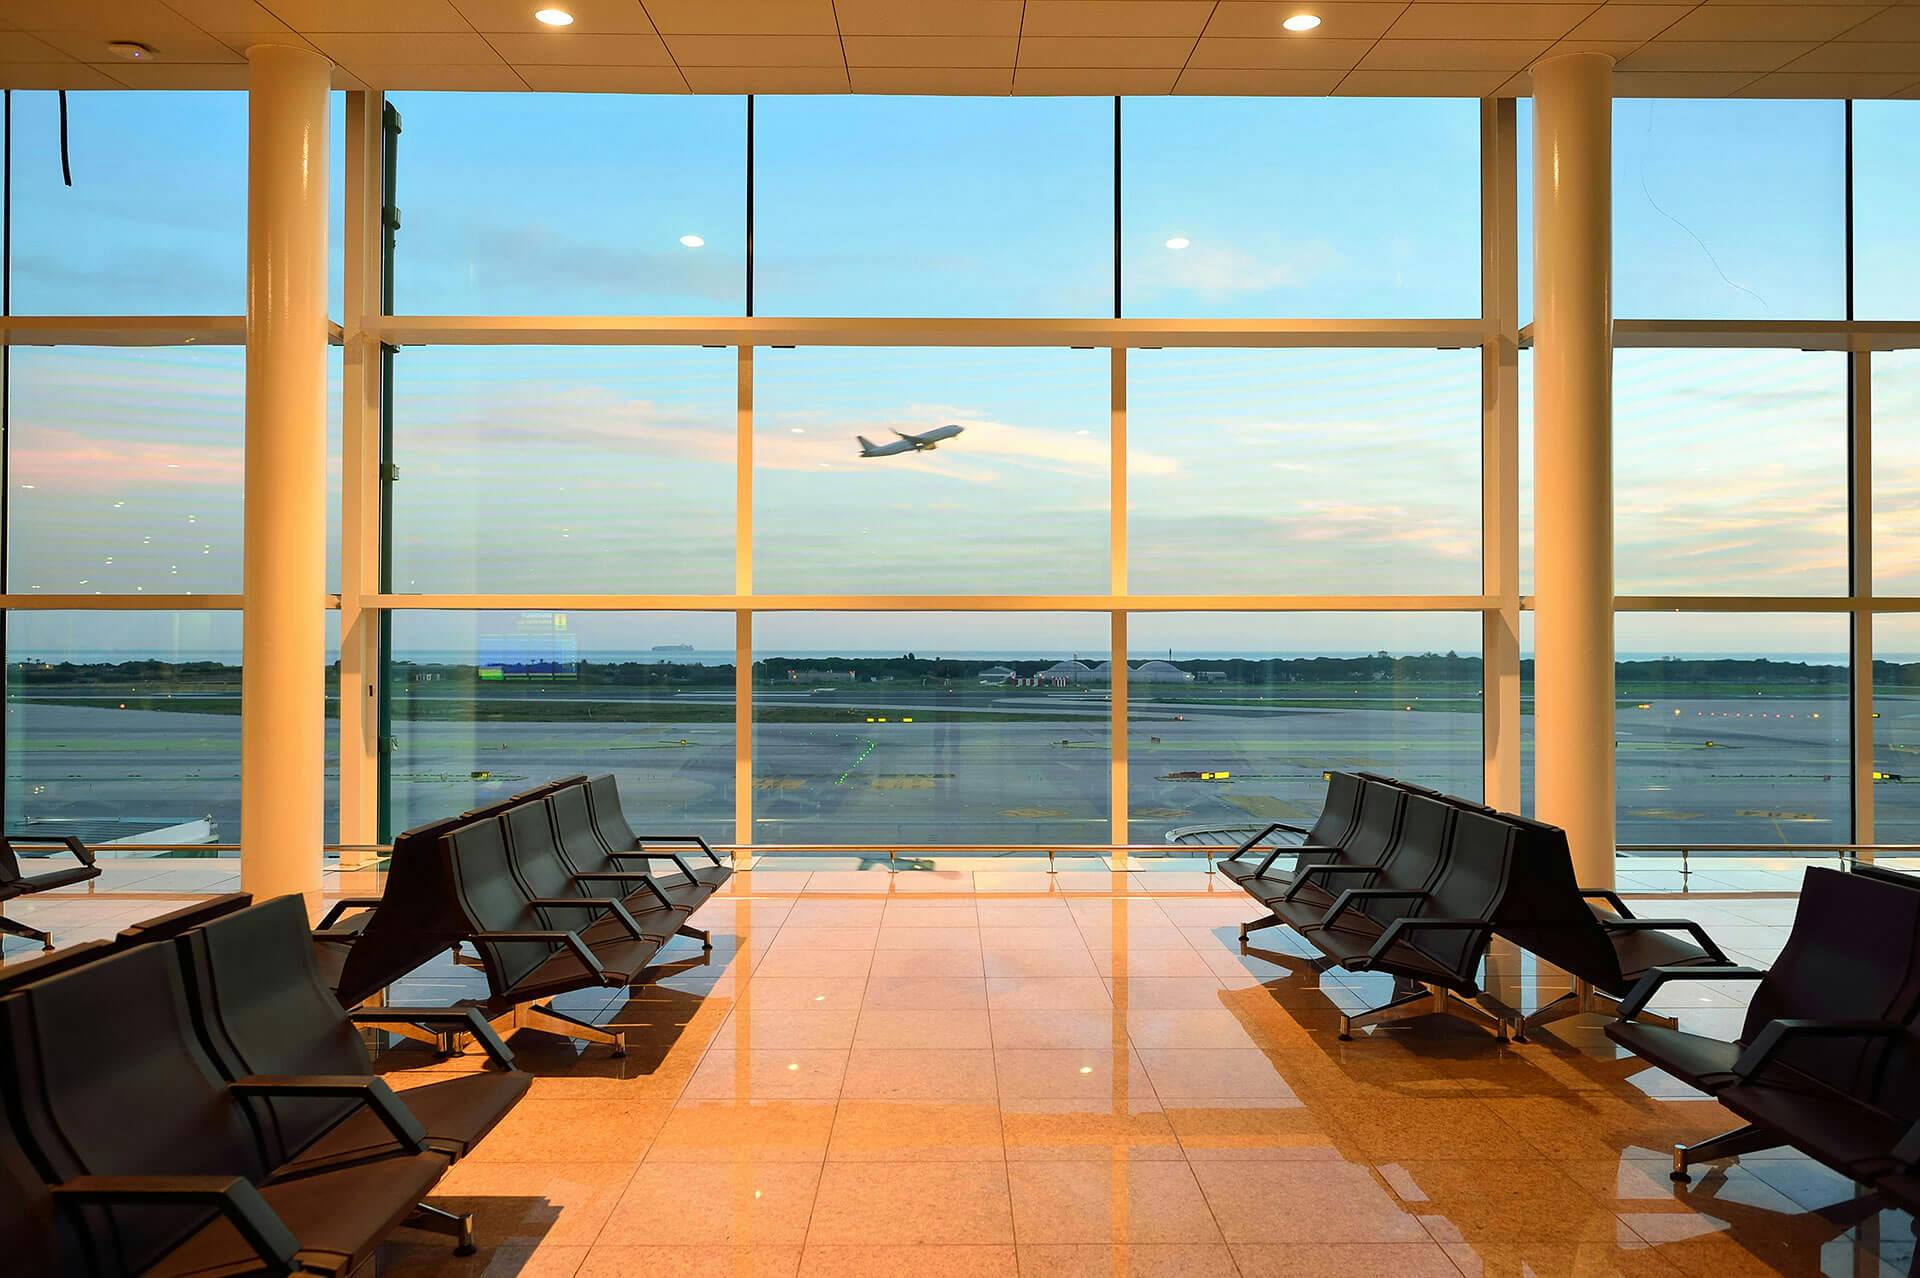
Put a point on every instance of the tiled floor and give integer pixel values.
(983, 1070)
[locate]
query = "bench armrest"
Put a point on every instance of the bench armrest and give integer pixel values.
(1353, 896)
(465, 1019)
(341, 906)
(81, 852)
(1688, 926)
(1396, 929)
(1306, 873)
(236, 1200)
(1648, 985)
(1776, 1034)
(1271, 826)
(625, 876)
(674, 857)
(605, 905)
(1611, 897)
(582, 955)
(641, 840)
(370, 1091)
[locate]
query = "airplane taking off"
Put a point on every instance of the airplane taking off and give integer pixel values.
(908, 443)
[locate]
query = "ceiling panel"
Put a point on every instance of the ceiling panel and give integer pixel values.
(928, 17)
(929, 51)
(1769, 48)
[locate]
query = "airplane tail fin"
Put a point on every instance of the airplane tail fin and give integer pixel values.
(866, 445)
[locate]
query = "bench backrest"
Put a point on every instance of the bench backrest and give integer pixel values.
(1545, 913)
(579, 841)
(1850, 956)
(492, 900)
(1472, 885)
(142, 1099)
(543, 872)
(1375, 827)
(1418, 855)
(264, 1009)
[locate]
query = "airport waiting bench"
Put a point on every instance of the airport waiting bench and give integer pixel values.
(15, 882)
(1409, 881)
(235, 1123)
(544, 888)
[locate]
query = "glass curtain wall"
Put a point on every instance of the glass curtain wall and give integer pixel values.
(1067, 499)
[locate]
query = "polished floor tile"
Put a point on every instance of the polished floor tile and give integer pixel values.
(1084, 1074)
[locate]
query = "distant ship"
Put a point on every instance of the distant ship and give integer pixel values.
(672, 647)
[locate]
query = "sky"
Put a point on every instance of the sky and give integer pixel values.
(611, 469)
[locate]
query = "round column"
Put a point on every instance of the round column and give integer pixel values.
(1573, 456)
(283, 679)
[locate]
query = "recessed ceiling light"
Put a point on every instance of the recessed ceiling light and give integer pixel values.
(1178, 242)
(1302, 22)
(129, 50)
(692, 241)
(554, 17)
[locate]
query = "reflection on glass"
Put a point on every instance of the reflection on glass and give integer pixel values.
(1896, 729)
(486, 704)
(1886, 206)
(1014, 504)
(1896, 472)
(1730, 472)
(1732, 729)
(1722, 209)
(126, 468)
(1296, 472)
(156, 218)
(594, 468)
(1263, 207)
(931, 728)
(933, 206)
(124, 727)
(571, 204)
(1233, 719)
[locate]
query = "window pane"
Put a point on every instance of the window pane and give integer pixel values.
(1303, 472)
(933, 206)
(1886, 207)
(1896, 472)
(125, 726)
(1016, 504)
(571, 204)
(1732, 728)
(1252, 207)
(1896, 729)
(127, 467)
(1730, 472)
(485, 704)
(1233, 719)
(155, 222)
(594, 468)
(931, 728)
(1730, 209)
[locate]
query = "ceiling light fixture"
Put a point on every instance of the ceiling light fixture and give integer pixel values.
(1178, 242)
(130, 50)
(554, 17)
(692, 241)
(1302, 22)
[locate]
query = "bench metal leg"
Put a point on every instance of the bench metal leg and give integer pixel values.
(13, 927)
(1272, 920)
(1741, 1140)
(1583, 1000)
(699, 934)
(435, 1220)
(544, 1018)
(1425, 1000)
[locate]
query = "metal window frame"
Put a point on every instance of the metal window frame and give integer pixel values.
(369, 333)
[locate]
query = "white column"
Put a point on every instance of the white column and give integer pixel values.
(1573, 456)
(283, 682)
